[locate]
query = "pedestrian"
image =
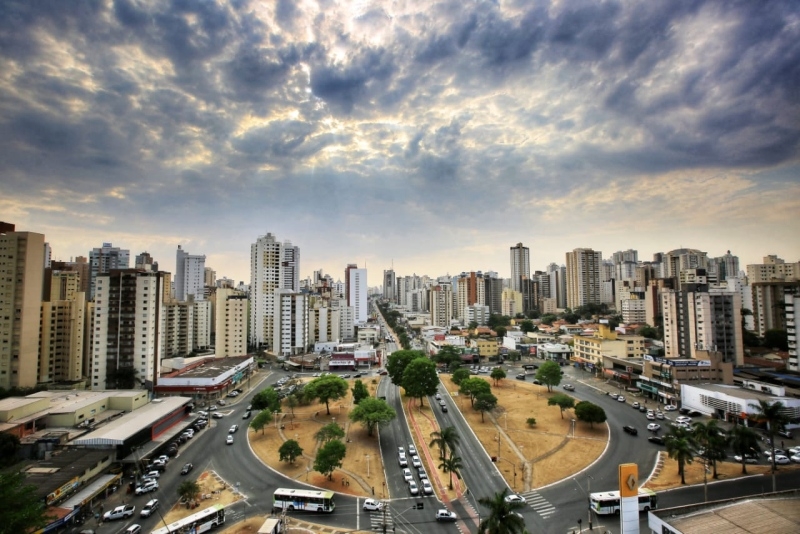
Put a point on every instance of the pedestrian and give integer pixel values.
(782, 445)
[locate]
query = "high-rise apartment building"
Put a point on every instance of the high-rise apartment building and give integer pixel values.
(145, 261)
(63, 329)
(189, 276)
(177, 328)
(583, 277)
(773, 269)
(273, 266)
(493, 294)
(389, 285)
(792, 307)
(231, 323)
(558, 284)
(291, 323)
(357, 293)
(126, 344)
(681, 259)
(103, 259)
(440, 300)
(520, 266)
(22, 268)
(768, 302)
(470, 290)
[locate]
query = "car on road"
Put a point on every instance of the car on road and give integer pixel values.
(212, 407)
(147, 486)
(683, 419)
(568, 387)
(412, 450)
(537, 382)
(407, 475)
(133, 529)
(402, 460)
(444, 408)
(233, 429)
(635, 405)
(222, 402)
(748, 458)
(653, 427)
(658, 440)
(217, 415)
(413, 488)
(643, 409)
(415, 461)
(621, 398)
(795, 458)
(651, 416)
(229, 440)
(659, 415)
(186, 468)
(514, 497)
(371, 505)
(785, 434)
(427, 489)
(446, 515)
(120, 512)
(149, 508)
(153, 474)
(232, 394)
(520, 376)
(780, 459)
(630, 430)
(670, 408)
(438, 396)
(422, 474)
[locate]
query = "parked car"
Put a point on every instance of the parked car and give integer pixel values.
(630, 430)
(785, 434)
(621, 398)
(147, 486)
(635, 405)
(372, 505)
(683, 419)
(748, 458)
(120, 512)
(186, 468)
(780, 459)
(659, 415)
(446, 515)
(149, 508)
(568, 387)
(658, 440)
(670, 408)
(795, 458)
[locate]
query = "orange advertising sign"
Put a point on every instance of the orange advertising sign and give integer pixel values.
(628, 480)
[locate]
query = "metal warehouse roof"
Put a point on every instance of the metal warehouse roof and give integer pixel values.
(118, 431)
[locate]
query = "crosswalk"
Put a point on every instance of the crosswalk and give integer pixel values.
(541, 505)
(376, 521)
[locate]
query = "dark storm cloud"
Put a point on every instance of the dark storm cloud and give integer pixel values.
(345, 86)
(502, 41)
(283, 143)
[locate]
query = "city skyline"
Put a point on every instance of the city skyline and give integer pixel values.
(425, 138)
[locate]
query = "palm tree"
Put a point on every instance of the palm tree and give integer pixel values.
(680, 448)
(713, 442)
(189, 490)
(451, 465)
(502, 519)
(773, 415)
(744, 441)
(446, 439)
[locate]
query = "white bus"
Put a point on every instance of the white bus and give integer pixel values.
(303, 500)
(607, 502)
(202, 521)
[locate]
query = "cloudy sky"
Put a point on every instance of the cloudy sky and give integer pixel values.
(428, 135)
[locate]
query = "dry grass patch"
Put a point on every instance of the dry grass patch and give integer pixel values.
(212, 492)
(669, 478)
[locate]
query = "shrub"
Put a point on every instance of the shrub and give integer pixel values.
(531, 421)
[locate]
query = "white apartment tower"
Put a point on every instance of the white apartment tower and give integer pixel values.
(290, 335)
(441, 305)
(103, 259)
(583, 277)
(126, 344)
(792, 301)
(357, 293)
(273, 266)
(231, 323)
(520, 266)
(189, 276)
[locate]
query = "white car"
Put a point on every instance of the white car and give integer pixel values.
(748, 459)
(659, 415)
(683, 419)
(149, 508)
(372, 505)
(412, 450)
(651, 417)
(427, 489)
(653, 427)
(413, 488)
(513, 497)
(415, 461)
(120, 512)
(401, 459)
(147, 486)
(670, 408)
(407, 475)
(795, 458)
(446, 515)
(229, 440)
(621, 398)
(780, 459)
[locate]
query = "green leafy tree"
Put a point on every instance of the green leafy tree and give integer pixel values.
(9, 445)
(459, 375)
(291, 402)
(563, 401)
(329, 458)
(497, 374)
(526, 326)
(548, 319)
(485, 402)
(329, 432)
(267, 399)
(590, 413)
(501, 331)
(360, 391)
(23, 510)
(189, 490)
(680, 448)
(451, 465)
(448, 355)
(648, 332)
(397, 362)
(261, 420)
(471, 387)
(501, 518)
(371, 412)
(773, 416)
(514, 355)
(549, 374)
(744, 441)
(776, 339)
(290, 451)
(447, 439)
(472, 325)
(325, 389)
(420, 379)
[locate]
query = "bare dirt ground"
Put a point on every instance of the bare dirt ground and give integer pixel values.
(668, 477)
(212, 491)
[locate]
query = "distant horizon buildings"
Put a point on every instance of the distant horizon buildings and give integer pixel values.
(583, 277)
(520, 266)
(189, 276)
(103, 259)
